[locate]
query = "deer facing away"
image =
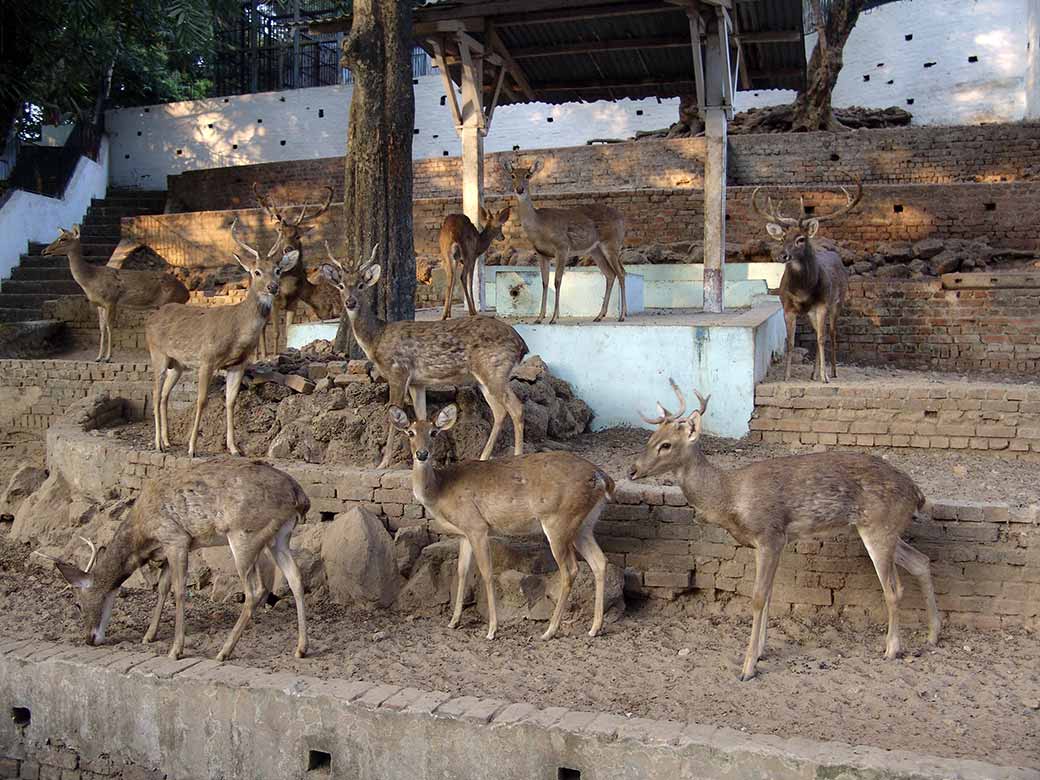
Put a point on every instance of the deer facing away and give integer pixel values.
(767, 504)
(295, 287)
(558, 493)
(209, 339)
(593, 230)
(413, 355)
(461, 244)
(249, 506)
(815, 282)
(108, 288)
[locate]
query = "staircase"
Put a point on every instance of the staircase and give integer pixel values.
(37, 278)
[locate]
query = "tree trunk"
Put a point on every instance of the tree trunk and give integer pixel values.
(377, 201)
(812, 109)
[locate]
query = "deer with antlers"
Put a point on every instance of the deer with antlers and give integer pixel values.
(295, 287)
(413, 355)
(461, 244)
(767, 504)
(815, 281)
(593, 230)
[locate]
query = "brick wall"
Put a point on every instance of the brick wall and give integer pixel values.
(921, 325)
(59, 762)
(955, 415)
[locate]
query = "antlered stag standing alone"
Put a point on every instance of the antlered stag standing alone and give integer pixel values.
(815, 281)
(767, 504)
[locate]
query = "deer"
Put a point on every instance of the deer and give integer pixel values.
(295, 288)
(212, 338)
(461, 244)
(558, 493)
(108, 288)
(413, 355)
(593, 230)
(815, 282)
(249, 506)
(769, 503)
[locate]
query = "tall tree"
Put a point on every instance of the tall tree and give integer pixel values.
(834, 22)
(377, 200)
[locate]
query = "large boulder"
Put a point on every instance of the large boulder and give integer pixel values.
(360, 564)
(24, 482)
(432, 580)
(43, 517)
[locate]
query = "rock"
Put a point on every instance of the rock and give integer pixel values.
(536, 421)
(928, 248)
(895, 251)
(296, 441)
(408, 546)
(42, 518)
(431, 584)
(893, 272)
(306, 548)
(531, 370)
(946, 262)
(862, 267)
(360, 564)
(214, 568)
(24, 482)
(633, 256)
(919, 267)
(80, 512)
(323, 385)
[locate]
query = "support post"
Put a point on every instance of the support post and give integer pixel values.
(472, 133)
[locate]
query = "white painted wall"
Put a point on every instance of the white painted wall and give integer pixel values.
(29, 217)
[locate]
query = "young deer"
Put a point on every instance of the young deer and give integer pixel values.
(593, 230)
(295, 287)
(209, 339)
(767, 504)
(461, 244)
(249, 506)
(815, 281)
(558, 493)
(108, 288)
(413, 355)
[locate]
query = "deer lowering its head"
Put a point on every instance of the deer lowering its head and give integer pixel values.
(767, 504)
(815, 281)
(414, 355)
(209, 338)
(461, 244)
(593, 230)
(557, 493)
(295, 287)
(108, 288)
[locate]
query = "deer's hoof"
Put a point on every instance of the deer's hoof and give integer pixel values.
(234, 450)
(491, 634)
(745, 676)
(549, 634)
(301, 652)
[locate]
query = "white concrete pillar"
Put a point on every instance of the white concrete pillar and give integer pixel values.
(472, 133)
(714, 208)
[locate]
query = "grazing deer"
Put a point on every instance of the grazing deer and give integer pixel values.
(107, 287)
(249, 506)
(767, 504)
(413, 355)
(211, 338)
(558, 493)
(295, 287)
(461, 244)
(815, 281)
(592, 230)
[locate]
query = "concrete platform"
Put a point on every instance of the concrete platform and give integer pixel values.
(519, 293)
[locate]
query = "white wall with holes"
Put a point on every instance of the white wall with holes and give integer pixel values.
(945, 61)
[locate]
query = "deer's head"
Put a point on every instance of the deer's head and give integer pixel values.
(795, 233)
(65, 240)
(290, 228)
(421, 433)
(265, 274)
(94, 595)
(674, 437)
(521, 174)
(351, 279)
(493, 223)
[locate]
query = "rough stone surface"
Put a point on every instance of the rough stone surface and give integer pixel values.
(23, 483)
(360, 564)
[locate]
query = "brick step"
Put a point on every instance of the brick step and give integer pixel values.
(59, 273)
(42, 287)
(98, 234)
(58, 261)
(95, 220)
(18, 315)
(123, 211)
(32, 301)
(151, 201)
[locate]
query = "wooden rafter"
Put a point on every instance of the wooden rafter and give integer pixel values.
(589, 47)
(449, 88)
(515, 71)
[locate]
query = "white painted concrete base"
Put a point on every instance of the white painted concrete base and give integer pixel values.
(519, 293)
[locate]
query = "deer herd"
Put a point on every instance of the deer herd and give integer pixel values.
(253, 508)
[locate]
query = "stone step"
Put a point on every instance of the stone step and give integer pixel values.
(103, 233)
(8, 314)
(123, 211)
(58, 261)
(41, 287)
(32, 301)
(96, 220)
(41, 273)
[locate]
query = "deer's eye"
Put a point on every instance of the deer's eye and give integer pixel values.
(256, 274)
(799, 241)
(433, 433)
(411, 433)
(665, 446)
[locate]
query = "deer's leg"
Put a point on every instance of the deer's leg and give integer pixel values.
(818, 315)
(205, 374)
(159, 366)
(276, 327)
(110, 317)
(589, 549)
(465, 559)
(917, 563)
(244, 552)
(482, 552)
(882, 551)
(418, 396)
(284, 558)
(564, 555)
(396, 398)
(832, 328)
(767, 558)
(609, 276)
(163, 592)
(231, 388)
(449, 267)
(498, 413)
(561, 266)
(515, 408)
(543, 267)
(101, 315)
(791, 321)
(177, 561)
(173, 375)
(467, 286)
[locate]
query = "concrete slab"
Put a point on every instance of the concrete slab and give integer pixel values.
(519, 293)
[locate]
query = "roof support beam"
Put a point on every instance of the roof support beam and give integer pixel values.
(576, 13)
(591, 47)
(498, 47)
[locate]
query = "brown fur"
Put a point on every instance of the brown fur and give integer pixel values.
(461, 244)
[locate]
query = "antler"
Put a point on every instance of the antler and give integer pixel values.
(704, 403)
(93, 554)
(663, 414)
(265, 204)
(242, 243)
(332, 257)
(321, 210)
(851, 202)
(771, 213)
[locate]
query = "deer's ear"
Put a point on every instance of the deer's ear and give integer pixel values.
(775, 231)
(370, 276)
(288, 261)
(330, 274)
(503, 216)
(694, 423)
(74, 576)
(75, 231)
(535, 167)
(399, 418)
(447, 417)
(811, 227)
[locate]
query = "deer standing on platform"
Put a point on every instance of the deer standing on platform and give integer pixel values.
(558, 493)
(592, 230)
(108, 288)
(815, 281)
(413, 355)
(209, 338)
(461, 244)
(770, 503)
(251, 507)
(295, 287)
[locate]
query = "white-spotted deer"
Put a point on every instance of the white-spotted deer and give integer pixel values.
(461, 244)
(209, 338)
(249, 506)
(295, 287)
(767, 504)
(815, 281)
(108, 288)
(558, 493)
(593, 230)
(413, 355)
